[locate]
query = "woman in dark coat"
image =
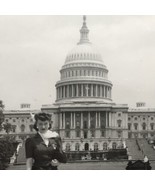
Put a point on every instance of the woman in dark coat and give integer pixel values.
(44, 150)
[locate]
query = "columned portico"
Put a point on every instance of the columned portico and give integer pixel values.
(83, 99)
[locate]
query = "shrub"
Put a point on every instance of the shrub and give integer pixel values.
(7, 150)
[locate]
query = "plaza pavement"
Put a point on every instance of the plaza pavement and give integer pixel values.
(87, 166)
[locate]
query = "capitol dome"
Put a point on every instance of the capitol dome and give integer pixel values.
(84, 77)
(84, 50)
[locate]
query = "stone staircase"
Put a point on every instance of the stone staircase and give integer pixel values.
(21, 159)
(146, 149)
(134, 149)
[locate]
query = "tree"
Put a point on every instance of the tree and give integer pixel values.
(1, 114)
(6, 143)
(7, 127)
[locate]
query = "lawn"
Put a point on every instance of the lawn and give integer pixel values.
(87, 166)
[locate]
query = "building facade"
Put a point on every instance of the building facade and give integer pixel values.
(21, 122)
(141, 123)
(84, 113)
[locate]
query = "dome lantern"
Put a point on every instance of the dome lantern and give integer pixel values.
(84, 32)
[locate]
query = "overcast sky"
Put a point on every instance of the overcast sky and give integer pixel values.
(33, 50)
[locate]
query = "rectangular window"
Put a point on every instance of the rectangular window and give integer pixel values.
(92, 133)
(85, 134)
(78, 133)
(67, 134)
(103, 133)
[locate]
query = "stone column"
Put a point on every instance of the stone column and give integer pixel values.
(72, 90)
(108, 92)
(71, 120)
(96, 90)
(64, 120)
(67, 91)
(109, 119)
(100, 90)
(88, 120)
(91, 90)
(64, 91)
(87, 89)
(61, 126)
(96, 120)
(104, 91)
(77, 90)
(60, 92)
(106, 119)
(57, 93)
(99, 120)
(81, 120)
(82, 90)
(74, 121)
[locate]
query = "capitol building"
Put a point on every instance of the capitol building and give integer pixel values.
(84, 113)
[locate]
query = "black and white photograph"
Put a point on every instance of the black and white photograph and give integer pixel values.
(77, 92)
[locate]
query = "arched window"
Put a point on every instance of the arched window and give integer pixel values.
(105, 146)
(114, 145)
(119, 122)
(22, 127)
(14, 128)
(144, 126)
(136, 126)
(95, 146)
(31, 128)
(129, 126)
(77, 147)
(67, 147)
(152, 126)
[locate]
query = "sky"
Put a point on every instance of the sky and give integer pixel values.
(33, 50)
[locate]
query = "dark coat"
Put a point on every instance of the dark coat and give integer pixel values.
(42, 154)
(138, 165)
